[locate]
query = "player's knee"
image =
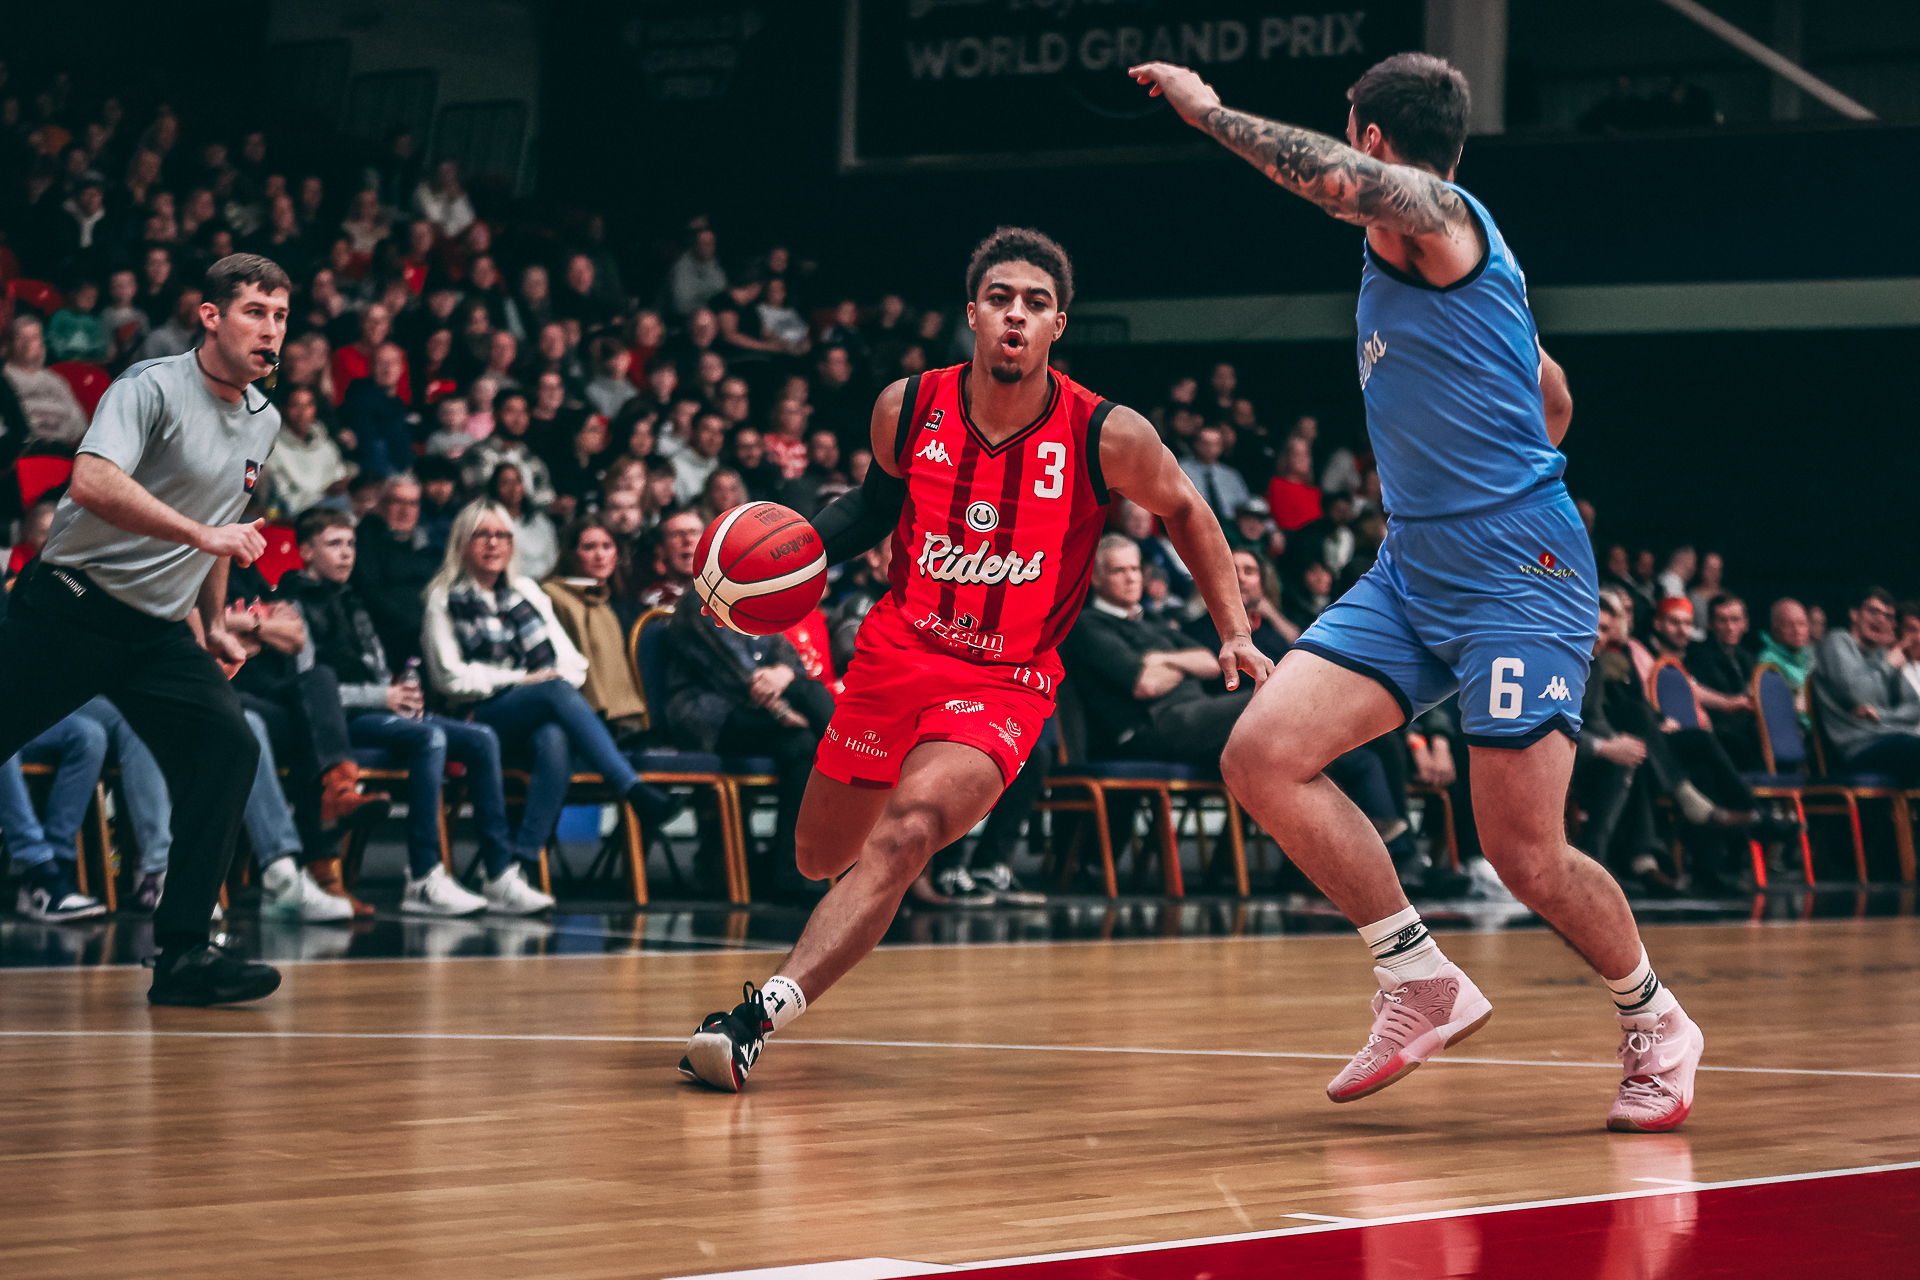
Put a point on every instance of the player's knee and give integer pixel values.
(905, 839)
(1265, 755)
(819, 858)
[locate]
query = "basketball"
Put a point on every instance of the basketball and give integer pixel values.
(760, 568)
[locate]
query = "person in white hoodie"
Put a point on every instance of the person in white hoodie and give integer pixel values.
(494, 650)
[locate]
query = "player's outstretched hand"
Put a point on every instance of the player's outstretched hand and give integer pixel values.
(1237, 655)
(1183, 89)
(244, 542)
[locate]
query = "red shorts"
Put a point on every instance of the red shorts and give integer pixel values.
(899, 695)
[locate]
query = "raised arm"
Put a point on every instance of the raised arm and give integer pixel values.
(1349, 184)
(1136, 465)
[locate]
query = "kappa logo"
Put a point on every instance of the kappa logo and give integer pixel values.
(1557, 690)
(963, 707)
(935, 452)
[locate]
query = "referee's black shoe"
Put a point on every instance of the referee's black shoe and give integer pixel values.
(727, 1045)
(209, 974)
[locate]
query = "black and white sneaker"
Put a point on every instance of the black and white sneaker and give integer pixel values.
(726, 1046)
(209, 974)
(1006, 888)
(53, 895)
(962, 889)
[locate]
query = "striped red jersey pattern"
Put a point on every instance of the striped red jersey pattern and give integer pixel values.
(995, 543)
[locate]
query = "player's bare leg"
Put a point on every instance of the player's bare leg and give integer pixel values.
(1310, 712)
(888, 837)
(1518, 803)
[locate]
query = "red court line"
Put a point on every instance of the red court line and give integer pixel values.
(1855, 1226)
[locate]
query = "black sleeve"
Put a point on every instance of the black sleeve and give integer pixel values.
(859, 520)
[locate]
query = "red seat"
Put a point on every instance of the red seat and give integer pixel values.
(38, 294)
(38, 473)
(89, 382)
(18, 557)
(281, 556)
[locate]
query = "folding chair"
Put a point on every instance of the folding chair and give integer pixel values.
(91, 842)
(1867, 786)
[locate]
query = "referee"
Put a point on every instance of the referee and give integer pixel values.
(141, 541)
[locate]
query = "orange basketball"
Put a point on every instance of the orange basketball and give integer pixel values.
(760, 568)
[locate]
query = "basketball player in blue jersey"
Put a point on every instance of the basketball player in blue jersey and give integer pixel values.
(1485, 585)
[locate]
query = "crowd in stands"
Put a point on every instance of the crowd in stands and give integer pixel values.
(498, 452)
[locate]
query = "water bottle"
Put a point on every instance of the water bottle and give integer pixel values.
(410, 677)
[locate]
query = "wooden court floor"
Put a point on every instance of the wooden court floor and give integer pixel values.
(522, 1118)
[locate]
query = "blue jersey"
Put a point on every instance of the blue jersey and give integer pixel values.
(1451, 379)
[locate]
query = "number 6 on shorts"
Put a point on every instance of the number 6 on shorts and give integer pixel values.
(1503, 699)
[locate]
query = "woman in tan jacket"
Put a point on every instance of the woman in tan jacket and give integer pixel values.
(581, 591)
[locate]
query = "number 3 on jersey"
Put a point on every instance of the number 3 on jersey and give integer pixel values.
(1053, 456)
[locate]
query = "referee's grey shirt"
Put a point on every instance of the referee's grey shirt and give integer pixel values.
(187, 447)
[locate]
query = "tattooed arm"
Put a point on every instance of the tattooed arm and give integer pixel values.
(1349, 184)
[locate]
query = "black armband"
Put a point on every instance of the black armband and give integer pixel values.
(860, 520)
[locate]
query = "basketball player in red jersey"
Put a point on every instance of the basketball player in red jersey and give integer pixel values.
(992, 478)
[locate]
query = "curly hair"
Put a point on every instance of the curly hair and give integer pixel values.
(1022, 244)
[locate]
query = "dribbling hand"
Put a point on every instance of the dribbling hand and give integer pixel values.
(243, 542)
(1237, 655)
(1184, 90)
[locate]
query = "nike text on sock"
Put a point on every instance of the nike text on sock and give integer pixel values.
(783, 999)
(1641, 993)
(1401, 943)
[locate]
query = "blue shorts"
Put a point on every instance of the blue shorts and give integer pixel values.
(1500, 604)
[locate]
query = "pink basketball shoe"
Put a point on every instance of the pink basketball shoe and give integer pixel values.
(1412, 1021)
(1656, 1067)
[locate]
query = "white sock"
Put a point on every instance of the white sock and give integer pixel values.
(1694, 807)
(784, 1000)
(1402, 944)
(1641, 994)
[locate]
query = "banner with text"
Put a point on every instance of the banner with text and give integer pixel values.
(993, 82)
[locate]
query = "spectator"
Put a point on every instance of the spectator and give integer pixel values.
(656, 492)
(864, 586)
(1218, 483)
(1156, 549)
(363, 494)
(536, 548)
(576, 468)
(158, 289)
(1704, 588)
(1273, 635)
(355, 361)
(443, 202)
(747, 455)
(671, 569)
(737, 695)
(393, 179)
(696, 275)
(723, 492)
(78, 241)
(496, 652)
(1786, 644)
(378, 415)
(1906, 654)
(530, 310)
(1723, 670)
(394, 559)
(281, 239)
(1224, 383)
(1307, 596)
(1682, 563)
(126, 324)
(1816, 624)
(288, 887)
(450, 438)
(181, 332)
(43, 849)
(440, 498)
(1292, 493)
(509, 443)
(75, 332)
(699, 460)
(1870, 714)
(366, 224)
(1329, 540)
(805, 493)
(780, 324)
(610, 389)
(1255, 450)
(585, 592)
(1369, 535)
(389, 713)
(840, 405)
(305, 465)
(648, 335)
(434, 379)
(51, 411)
(787, 442)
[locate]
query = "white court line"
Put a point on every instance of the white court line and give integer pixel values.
(856, 1268)
(894, 1044)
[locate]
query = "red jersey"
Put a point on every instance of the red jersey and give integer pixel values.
(995, 544)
